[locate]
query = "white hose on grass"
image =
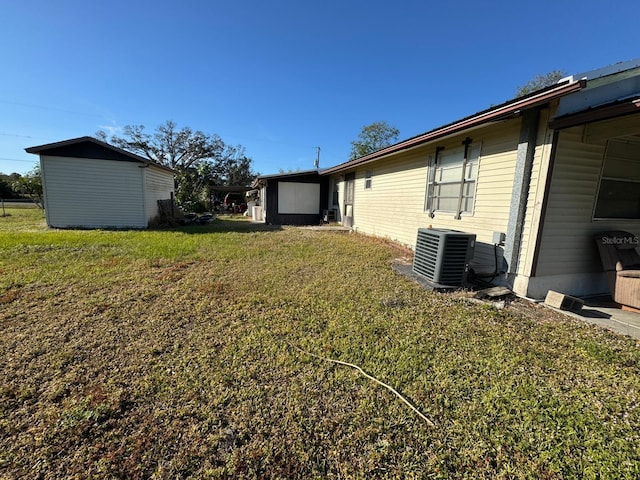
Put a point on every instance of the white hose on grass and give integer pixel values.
(388, 387)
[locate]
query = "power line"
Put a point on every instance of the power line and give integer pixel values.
(16, 135)
(55, 109)
(17, 160)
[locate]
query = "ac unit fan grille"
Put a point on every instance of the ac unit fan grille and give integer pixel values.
(442, 255)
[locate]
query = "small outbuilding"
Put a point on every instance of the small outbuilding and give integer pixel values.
(88, 183)
(293, 198)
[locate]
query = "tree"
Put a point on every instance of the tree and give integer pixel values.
(200, 160)
(238, 170)
(30, 185)
(539, 82)
(373, 137)
(168, 146)
(6, 182)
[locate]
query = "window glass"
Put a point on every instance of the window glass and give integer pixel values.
(451, 182)
(367, 179)
(349, 187)
(336, 191)
(619, 188)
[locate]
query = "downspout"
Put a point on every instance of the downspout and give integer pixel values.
(521, 182)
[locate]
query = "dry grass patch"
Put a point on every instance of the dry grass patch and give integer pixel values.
(166, 354)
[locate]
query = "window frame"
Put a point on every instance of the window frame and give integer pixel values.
(469, 161)
(368, 177)
(617, 179)
(335, 194)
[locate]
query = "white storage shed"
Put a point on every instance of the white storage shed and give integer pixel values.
(88, 183)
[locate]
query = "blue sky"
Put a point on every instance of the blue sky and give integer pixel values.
(282, 77)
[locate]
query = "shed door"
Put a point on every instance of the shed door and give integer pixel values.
(349, 189)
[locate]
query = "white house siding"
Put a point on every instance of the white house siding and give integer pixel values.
(158, 185)
(81, 192)
(568, 260)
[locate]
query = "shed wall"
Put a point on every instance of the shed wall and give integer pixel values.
(274, 217)
(81, 192)
(158, 185)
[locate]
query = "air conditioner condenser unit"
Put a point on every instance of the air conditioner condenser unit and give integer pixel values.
(443, 256)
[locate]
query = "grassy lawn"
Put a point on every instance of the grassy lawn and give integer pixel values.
(175, 354)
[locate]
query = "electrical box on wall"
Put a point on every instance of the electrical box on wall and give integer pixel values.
(499, 238)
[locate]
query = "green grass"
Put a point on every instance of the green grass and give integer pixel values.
(169, 354)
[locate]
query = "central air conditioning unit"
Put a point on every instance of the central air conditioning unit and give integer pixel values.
(443, 256)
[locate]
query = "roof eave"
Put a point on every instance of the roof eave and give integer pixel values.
(39, 149)
(288, 174)
(602, 112)
(496, 113)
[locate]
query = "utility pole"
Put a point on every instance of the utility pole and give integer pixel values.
(317, 161)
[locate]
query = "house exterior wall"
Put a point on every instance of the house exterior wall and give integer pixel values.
(556, 252)
(89, 193)
(568, 260)
(334, 202)
(158, 185)
(394, 206)
(535, 198)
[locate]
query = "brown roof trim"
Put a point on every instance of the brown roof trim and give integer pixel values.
(297, 173)
(273, 176)
(496, 113)
(605, 112)
(42, 150)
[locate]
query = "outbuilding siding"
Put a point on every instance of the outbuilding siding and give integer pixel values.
(92, 193)
(158, 186)
(271, 199)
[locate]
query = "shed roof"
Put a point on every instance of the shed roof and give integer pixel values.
(299, 173)
(89, 147)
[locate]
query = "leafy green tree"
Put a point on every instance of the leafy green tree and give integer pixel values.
(193, 185)
(539, 82)
(200, 160)
(6, 188)
(237, 170)
(372, 138)
(30, 185)
(169, 146)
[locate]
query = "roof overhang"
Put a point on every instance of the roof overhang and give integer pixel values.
(230, 188)
(59, 147)
(603, 112)
(497, 113)
(275, 176)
